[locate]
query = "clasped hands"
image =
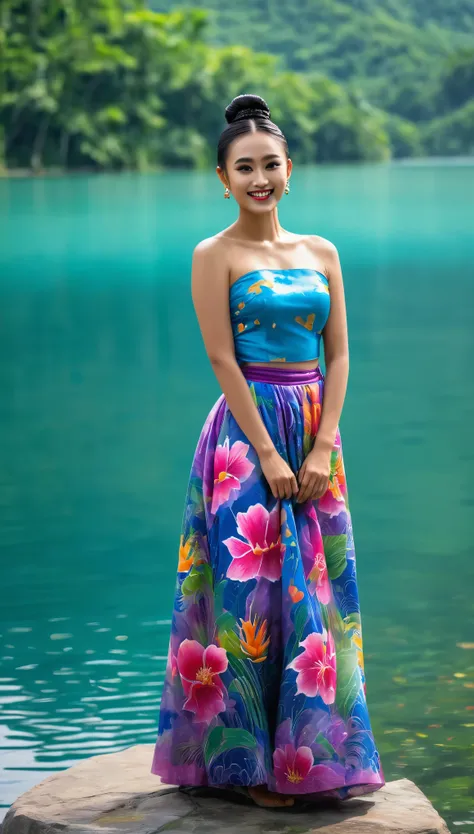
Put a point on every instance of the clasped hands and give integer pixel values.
(313, 475)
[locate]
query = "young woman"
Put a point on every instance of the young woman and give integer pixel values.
(265, 688)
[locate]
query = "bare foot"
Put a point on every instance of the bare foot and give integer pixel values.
(268, 799)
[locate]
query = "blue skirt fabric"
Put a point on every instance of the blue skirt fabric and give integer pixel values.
(265, 680)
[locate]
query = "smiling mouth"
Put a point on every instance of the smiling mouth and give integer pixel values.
(261, 195)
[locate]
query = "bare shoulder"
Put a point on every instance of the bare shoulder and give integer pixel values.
(207, 248)
(322, 247)
(327, 251)
(210, 274)
(210, 255)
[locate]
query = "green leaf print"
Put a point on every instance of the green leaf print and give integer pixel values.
(228, 639)
(221, 739)
(268, 403)
(352, 622)
(348, 679)
(196, 496)
(335, 548)
(308, 441)
(206, 571)
(335, 625)
(324, 615)
(300, 620)
(191, 583)
(219, 589)
(334, 457)
(245, 692)
(259, 400)
(249, 686)
(199, 578)
(291, 646)
(252, 391)
(323, 742)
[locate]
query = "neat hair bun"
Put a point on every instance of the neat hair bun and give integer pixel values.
(243, 109)
(247, 106)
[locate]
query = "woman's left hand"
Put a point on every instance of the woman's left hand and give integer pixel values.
(313, 476)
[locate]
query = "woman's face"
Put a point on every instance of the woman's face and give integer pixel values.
(256, 162)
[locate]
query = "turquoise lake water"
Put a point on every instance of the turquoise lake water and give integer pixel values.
(105, 387)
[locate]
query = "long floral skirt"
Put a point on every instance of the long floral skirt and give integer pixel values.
(265, 678)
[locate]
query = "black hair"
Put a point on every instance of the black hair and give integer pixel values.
(246, 114)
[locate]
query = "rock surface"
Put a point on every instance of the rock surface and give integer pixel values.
(116, 792)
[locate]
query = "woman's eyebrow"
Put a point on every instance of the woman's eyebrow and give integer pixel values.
(250, 159)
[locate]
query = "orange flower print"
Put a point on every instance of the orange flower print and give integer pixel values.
(294, 592)
(254, 640)
(311, 410)
(335, 499)
(185, 554)
(337, 477)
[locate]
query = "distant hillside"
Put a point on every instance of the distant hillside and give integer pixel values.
(115, 85)
(457, 15)
(393, 51)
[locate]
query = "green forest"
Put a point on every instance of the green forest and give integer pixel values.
(124, 84)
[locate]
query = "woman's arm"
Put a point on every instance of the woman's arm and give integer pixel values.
(210, 294)
(315, 471)
(336, 351)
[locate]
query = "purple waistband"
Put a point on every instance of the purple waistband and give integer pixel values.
(281, 376)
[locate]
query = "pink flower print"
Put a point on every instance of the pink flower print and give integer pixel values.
(296, 773)
(314, 559)
(231, 468)
(199, 669)
(319, 578)
(261, 553)
(316, 667)
(172, 664)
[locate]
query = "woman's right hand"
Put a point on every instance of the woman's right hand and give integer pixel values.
(280, 477)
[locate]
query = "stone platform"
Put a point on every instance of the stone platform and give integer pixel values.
(117, 793)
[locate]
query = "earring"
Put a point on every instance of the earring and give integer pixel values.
(226, 193)
(287, 187)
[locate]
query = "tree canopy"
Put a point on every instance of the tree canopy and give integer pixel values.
(113, 84)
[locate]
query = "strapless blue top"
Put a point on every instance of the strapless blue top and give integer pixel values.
(279, 314)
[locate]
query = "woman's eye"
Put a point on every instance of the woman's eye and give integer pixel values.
(244, 167)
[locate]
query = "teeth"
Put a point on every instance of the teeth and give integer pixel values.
(260, 193)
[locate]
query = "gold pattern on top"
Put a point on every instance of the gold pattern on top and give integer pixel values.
(262, 282)
(309, 321)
